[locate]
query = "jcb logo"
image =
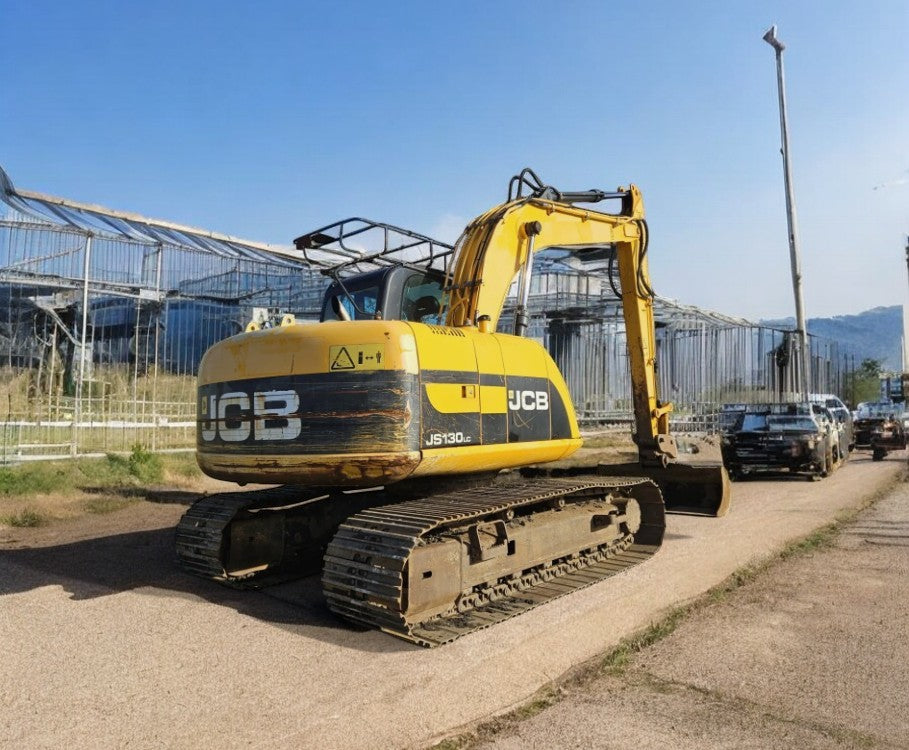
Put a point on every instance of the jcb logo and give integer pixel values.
(266, 416)
(528, 400)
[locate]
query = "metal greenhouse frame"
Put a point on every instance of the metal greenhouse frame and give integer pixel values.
(104, 317)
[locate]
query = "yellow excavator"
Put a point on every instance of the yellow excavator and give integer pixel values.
(397, 426)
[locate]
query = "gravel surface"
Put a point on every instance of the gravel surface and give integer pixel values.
(812, 654)
(107, 643)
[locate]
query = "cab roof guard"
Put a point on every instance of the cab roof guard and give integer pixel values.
(356, 245)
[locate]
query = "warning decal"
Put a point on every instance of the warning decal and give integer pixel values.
(356, 357)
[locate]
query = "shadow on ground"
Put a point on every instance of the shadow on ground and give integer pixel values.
(164, 495)
(108, 565)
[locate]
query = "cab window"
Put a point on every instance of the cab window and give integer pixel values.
(421, 299)
(360, 304)
(751, 422)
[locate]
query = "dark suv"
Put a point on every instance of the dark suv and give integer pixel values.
(778, 438)
(878, 429)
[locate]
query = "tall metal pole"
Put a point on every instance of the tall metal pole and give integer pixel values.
(80, 391)
(905, 332)
(805, 354)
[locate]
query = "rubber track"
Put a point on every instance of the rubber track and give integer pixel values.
(200, 532)
(365, 563)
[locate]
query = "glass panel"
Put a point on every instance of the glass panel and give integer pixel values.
(422, 299)
(360, 304)
(754, 422)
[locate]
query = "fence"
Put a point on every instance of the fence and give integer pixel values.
(704, 359)
(104, 318)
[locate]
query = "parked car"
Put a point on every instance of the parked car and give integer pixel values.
(728, 416)
(840, 411)
(838, 432)
(879, 428)
(778, 438)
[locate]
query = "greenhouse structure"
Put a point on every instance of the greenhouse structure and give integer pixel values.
(105, 315)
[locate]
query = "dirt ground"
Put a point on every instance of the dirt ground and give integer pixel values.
(811, 654)
(107, 643)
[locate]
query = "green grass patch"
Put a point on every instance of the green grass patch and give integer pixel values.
(181, 465)
(139, 467)
(822, 538)
(32, 479)
(25, 519)
(46, 477)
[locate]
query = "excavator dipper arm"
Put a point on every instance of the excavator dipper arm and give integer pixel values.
(501, 243)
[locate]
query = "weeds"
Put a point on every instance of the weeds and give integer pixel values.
(144, 465)
(138, 467)
(822, 538)
(183, 469)
(25, 518)
(140, 464)
(31, 479)
(546, 697)
(52, 490)
(618, 659)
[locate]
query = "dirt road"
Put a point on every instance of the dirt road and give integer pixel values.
(812, 654)
(107, 643)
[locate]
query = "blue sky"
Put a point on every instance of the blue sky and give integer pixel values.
(264, 120)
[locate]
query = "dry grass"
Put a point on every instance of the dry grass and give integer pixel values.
(37, 493)
(122, 405)
(617, 439)
(113, 389)
(25, 518)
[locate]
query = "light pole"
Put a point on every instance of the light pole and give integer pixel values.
(905, 332)
(805, 358)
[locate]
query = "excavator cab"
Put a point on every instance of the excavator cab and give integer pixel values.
(392, 293)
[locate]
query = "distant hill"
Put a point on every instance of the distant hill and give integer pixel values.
(873, 334)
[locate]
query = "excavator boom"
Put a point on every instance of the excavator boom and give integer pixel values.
(502, 242)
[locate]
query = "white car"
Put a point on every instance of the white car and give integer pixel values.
(840, 412)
